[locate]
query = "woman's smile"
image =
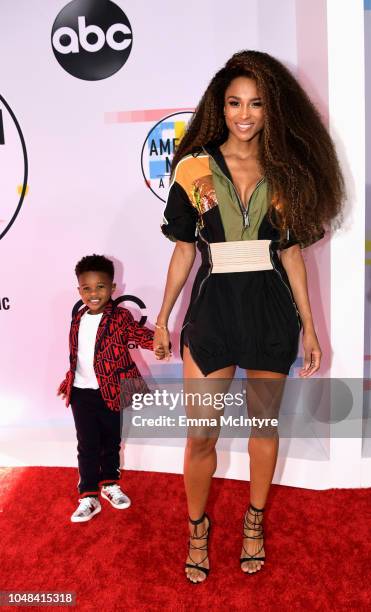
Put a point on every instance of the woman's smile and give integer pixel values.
(244, 126)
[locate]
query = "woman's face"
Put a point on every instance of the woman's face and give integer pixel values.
(243, 109)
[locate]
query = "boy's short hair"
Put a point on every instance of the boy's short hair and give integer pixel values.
(95, 263)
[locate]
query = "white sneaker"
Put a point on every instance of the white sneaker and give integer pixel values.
(89, 507)
(115, 496)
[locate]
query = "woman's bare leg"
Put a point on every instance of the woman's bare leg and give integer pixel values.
(200, 459)
(263, 453)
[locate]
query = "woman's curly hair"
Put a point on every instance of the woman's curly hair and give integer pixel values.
(296, 154)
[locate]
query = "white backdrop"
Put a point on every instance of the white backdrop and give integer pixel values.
(86, 193)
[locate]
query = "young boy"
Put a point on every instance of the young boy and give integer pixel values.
(99, 358)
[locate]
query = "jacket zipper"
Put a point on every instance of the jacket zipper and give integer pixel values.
(199, 290)
(206, 277)
(244, 211)
(246, 223)
(288, 289)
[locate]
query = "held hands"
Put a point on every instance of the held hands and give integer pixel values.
(161, 343)
(312, 354)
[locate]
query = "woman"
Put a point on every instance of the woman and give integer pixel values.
(254, 179)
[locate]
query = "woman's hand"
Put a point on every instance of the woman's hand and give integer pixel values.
(312, 354)
(180, 266)
(161, 344)
(294, 265)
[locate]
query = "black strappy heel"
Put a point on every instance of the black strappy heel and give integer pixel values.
(250, 525)
(194, 536)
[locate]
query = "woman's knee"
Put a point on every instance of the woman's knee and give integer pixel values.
(263, 446)
(200, 447)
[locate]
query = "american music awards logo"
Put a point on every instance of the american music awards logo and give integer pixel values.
(158, 151)
(13, 167)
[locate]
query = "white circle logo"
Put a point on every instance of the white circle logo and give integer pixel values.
(158, 151)
(92, 39)
(13, 167)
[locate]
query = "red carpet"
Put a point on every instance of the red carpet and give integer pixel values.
(317, 545)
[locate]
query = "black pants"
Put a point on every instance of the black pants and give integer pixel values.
(98, 432)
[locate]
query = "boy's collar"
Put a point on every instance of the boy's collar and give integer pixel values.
(107, 309)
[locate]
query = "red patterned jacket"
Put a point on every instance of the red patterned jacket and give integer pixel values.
(112, 359)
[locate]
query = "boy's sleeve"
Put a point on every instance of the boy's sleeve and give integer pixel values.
(63, 386)
(139, 334)
(66, 386)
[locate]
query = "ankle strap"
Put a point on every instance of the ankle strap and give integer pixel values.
(256, 509)
(198, 521)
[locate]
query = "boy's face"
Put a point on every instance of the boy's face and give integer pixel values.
(95, 289)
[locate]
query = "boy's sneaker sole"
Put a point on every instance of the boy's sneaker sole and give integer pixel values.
(84, 519)
(117, 506)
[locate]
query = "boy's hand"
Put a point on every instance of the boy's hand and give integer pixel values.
(161, 344)
(64, 395)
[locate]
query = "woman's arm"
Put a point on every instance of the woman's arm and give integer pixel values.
(292, 261)
(179, 268)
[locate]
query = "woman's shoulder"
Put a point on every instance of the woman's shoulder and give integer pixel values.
(191, 166)
(193, 156)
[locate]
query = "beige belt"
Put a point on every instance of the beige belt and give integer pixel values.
(240, 256)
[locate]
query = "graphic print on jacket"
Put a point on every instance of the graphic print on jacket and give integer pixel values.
(112, 359)
(203, 206)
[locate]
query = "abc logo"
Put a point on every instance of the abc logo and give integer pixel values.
(92, 39)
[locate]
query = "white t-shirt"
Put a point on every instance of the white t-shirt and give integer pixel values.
(85, 376)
